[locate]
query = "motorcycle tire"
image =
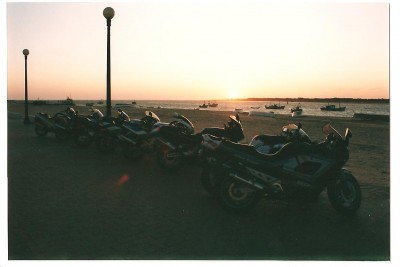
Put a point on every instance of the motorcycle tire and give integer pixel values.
(209, 180)
(83, 139)
(344, 193)
(237, 196)
(169, 159)
(132, 152)
(41, 129)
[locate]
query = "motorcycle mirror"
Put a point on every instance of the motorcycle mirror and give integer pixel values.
(299, 126)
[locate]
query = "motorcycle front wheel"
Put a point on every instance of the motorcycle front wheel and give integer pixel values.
(344, 193)
(169, 158)
(237, 196)
(41, 129)
(83, 139)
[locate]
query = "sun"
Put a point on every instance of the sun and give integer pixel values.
(233, 94)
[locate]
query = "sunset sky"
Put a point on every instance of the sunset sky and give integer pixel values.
(199, 50)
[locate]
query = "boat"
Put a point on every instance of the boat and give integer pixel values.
(330, 107)
(255, 107)
(203, 106)
(100, 102)
(296, 111)
(213, 105)
(89, 104)
(274, 106)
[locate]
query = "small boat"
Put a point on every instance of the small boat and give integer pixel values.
(203, 106)
(296, 111)
(255, 107)
(333, 108)
(274, 106)
(297, 108)
(100, 102)
(213, 105)
(90, 104)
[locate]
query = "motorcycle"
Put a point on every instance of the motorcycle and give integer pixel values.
(263, 143)
(59, 124)
(108, 131)
(136, 135)
(85, 127)
(298, 170)
(177, 143)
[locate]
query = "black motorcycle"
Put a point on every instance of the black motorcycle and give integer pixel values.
(136, 135)
(177, 143)
(85, 127)
(263, 143)
(298, 170)
(108, 131)
(60, 124)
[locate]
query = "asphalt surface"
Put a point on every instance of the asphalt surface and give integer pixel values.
(67, 202)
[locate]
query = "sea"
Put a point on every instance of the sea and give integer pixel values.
(309, 108)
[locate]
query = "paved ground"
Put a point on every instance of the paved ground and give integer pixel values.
(71, 203)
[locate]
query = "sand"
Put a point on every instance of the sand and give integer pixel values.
(66, 202)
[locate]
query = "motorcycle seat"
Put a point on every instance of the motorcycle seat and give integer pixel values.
(271, 139)
(287, 150)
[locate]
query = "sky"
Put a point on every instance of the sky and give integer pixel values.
(199, 50)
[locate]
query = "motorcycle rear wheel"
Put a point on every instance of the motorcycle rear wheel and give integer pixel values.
(345, 194)
(41, 129)
(237, 196)
(169, 159)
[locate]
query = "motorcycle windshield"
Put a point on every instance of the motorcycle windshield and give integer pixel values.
(152, 114)
(183, 118)
(328, 129)
(235, 121)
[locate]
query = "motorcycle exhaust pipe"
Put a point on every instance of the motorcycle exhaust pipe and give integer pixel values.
(253, 184)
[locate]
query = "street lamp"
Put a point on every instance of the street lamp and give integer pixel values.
(26, 53)
(108, 13)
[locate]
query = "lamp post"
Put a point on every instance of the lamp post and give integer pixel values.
(108, 13)
(26, 53)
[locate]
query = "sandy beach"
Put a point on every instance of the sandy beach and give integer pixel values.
(65, 202)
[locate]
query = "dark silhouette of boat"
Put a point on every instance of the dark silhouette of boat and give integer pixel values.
(213, 105)
(297, 108)
(333, 108)
(203, 106)
(274, 106)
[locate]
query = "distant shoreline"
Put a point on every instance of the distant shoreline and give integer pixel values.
(270, 99)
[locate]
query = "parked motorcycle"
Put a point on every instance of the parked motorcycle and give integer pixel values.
(85, 127)
(263, 143)
(177, 142)
(136, 135)
(59, 124)
(108, 131)
(298, 170)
